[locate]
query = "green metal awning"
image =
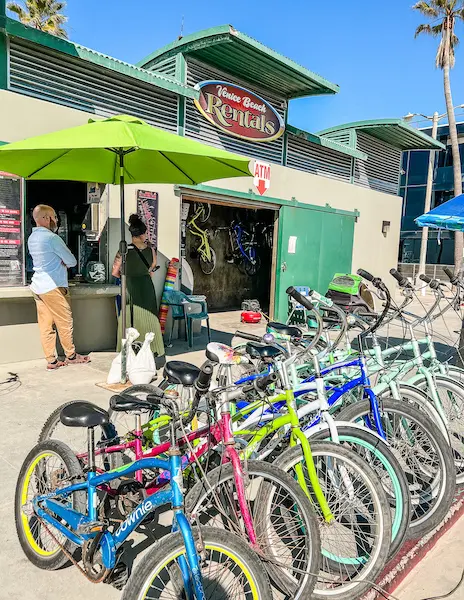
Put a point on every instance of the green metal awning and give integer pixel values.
(238, 54)
(326, 142)
(35, 36)
(395, 132)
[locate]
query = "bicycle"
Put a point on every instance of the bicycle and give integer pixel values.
(243, 248)
(56, 519)
(204, 251)
(291, 559)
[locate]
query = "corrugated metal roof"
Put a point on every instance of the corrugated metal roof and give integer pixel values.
(238, 54)
(395, 132)
(326, 142)
(16, 29)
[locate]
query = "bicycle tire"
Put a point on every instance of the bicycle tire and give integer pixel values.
(454, 415)
(34, 549)
(223, 476)
(388, 468)
(431, 504)
(208, 266)
(172, 545)
(358, 570)
(251, 269)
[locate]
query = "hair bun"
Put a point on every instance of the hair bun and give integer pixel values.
(135, 220)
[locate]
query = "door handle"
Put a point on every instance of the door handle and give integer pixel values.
(283, 266)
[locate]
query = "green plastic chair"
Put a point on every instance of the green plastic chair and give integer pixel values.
(181, 309)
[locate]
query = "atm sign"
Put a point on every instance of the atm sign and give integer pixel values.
(238, 111)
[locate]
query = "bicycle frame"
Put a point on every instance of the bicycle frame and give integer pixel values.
(250, 256)
(109, 542)
(204, 247)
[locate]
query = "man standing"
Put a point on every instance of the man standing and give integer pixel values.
(52, 259)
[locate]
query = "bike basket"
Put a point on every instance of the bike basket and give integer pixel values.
(345, 283)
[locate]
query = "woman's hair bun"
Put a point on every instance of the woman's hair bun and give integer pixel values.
(135, 220)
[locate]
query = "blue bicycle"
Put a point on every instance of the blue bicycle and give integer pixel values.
(57, 510)
(243, 248)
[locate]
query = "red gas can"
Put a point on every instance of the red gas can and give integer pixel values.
(250, 316)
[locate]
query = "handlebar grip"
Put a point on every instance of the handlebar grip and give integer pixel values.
(365, 275)
(402, 281)
(425, 278)
(204, 378)
(451, 276)
(303, 300)
(248, 336)
(262, 382)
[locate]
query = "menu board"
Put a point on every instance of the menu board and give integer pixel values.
(147, 209)
(11, 236)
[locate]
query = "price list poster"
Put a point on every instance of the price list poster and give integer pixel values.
(11, 231)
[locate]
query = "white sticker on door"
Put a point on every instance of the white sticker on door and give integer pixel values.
(292, 244)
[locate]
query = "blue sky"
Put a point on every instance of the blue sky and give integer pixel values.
(365, 46)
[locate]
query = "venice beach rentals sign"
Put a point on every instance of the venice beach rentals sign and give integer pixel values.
(238, 111)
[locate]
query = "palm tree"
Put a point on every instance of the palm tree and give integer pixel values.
(45, 15)
(443, 15)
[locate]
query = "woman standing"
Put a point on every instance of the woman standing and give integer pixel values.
(142, 308)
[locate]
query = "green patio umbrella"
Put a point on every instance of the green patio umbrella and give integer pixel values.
(119, 150)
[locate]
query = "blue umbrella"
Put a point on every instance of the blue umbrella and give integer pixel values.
(449, 215)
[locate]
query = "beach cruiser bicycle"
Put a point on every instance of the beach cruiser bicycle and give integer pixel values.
(56, 512)
(253, 499)
(244, 248)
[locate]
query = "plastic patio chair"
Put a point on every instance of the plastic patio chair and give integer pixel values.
(181, 309)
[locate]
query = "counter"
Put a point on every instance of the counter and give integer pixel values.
(94, 312)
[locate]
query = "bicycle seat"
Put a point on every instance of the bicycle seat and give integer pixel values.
(180, 372)
(83, 414)
(127, 403)
(222, 354)
(257, 350)
(285, 329)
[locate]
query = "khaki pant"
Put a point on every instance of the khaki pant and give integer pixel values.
(54, 309)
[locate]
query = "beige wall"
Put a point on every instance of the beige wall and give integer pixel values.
(21, 116)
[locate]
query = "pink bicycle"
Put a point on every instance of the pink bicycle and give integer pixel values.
(253, 498)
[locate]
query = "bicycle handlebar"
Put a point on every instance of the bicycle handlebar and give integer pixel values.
(201, 386)
(378, 283)
(451, 276)
(402, 281)
(304, 301)
(248, 336)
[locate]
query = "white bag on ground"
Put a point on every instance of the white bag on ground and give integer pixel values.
(114, 376)
(143, 368)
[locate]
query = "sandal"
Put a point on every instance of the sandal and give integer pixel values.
(78, 359)
(56, 365)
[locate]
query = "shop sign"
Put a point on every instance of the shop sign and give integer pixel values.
(11, 238)
(147, 209)
(262, 176)
(238, 111)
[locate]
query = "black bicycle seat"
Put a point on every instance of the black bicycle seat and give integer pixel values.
(83, 414)
(127, 403)
(257, 350)
(285, 329)
(179, 372)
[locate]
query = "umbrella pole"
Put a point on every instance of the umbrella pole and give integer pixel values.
(123, 252)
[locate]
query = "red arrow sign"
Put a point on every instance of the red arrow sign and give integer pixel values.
(262, 176)
(261, 187)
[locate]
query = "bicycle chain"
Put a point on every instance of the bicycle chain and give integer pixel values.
(69, 555)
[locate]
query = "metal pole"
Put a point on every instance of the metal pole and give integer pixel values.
(428, 198)
(123, 252)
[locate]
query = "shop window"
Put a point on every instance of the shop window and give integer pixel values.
(404, 168)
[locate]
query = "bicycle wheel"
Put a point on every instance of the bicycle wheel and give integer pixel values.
(356, 545)
(251, 268)
(451, 394)
(230, 569)
(208, 266)
(48, 466)
(205, 211)
(284, 521)
(424, 455)
(381, 459)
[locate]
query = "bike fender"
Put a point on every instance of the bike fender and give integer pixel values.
(323, 426)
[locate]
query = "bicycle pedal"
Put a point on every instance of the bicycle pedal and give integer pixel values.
(91, 527)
